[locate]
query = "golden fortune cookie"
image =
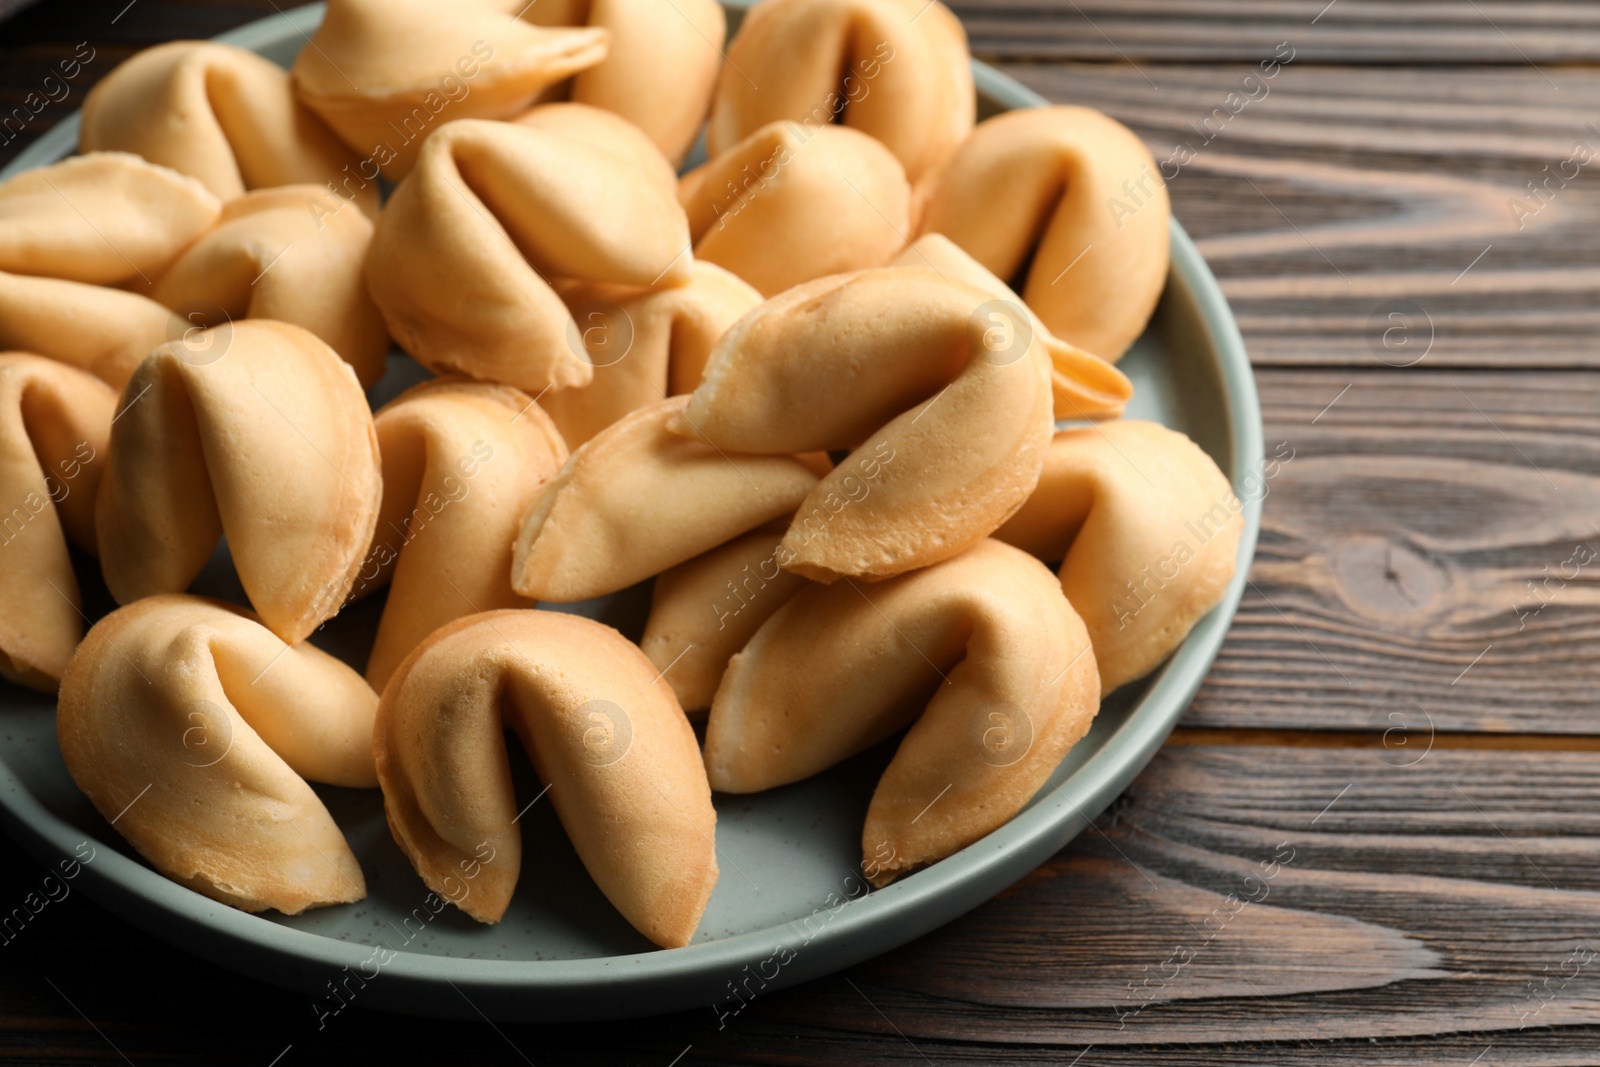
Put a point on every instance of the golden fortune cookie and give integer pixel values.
(270, 258)
(637, 499)
(465, 251)
(462, 463)
(1148, 530)
(661, 62)
(897, 70)
(53, 433)
(219, 113)
(644, 344)
(704, 611)
(980, 655)
(385, 74)
(1074, 195)
(1084, 386)
(193, 728)
(256, 430)
(791, 202)
(607, 739)
(948, 421)
(105, 218)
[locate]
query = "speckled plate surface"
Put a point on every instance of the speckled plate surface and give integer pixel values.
(791, 904)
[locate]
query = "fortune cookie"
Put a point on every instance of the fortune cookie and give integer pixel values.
(897, 70)
(270, 258)
(54, 424)
(387, 73)
(839, 668)
(104, 218)
(790, 203)
(637, 499)
(462, 463)
(1084, 386)
(1075, 196)
(949, 419)
(660, 66)
(705, 610)
(106, 332)
(612, 747)
(644, 344)
(216, 112)
(464, 251)
(257, 430)
(1149, 529)
(192, 728)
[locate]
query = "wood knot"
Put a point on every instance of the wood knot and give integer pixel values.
(1386, 579)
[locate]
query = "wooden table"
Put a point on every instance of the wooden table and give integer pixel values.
(1375, 838)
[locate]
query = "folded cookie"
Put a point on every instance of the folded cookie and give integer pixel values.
(103, 218)
(644, 344)
(256, 430)
(705, 610)
(612, 747)
(462, 463)
(949, 418)
(106, 332)
(1149, 530)
(792, 202)
(192, 728)
(1084, 386)
(660, 66)
(387, 73)
(986, 635)
(219, 113)
(1072, 197)
(897, 70)
(465, 250)
(270, 258)
(54, 423)
(637, 499)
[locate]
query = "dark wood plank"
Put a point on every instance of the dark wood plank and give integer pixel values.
(1344, 31)
(1384, 900)
(1410, 915)
(1397, 740)
(1336, 192)
(1398, 547)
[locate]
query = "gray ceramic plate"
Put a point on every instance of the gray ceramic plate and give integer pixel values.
(791, 904)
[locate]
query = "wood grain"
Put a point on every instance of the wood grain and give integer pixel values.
(1416, 900)
(1391, 739)
(1333, 193)
(1345, 31)
(1429, 554)
(1413, 915)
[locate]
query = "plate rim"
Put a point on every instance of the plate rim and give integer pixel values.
(859, 929)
